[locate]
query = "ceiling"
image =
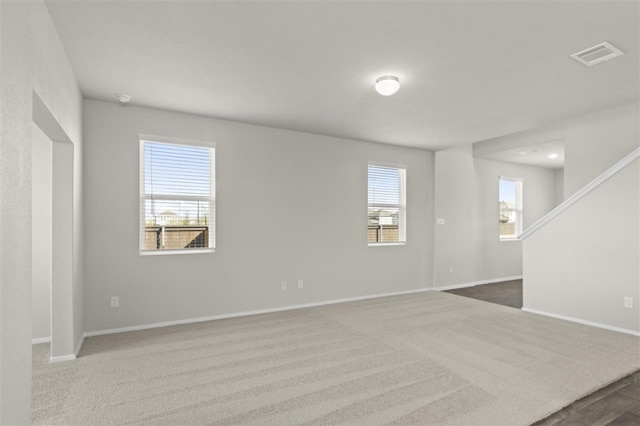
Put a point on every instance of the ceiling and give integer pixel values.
(469, 70)
(533, 155)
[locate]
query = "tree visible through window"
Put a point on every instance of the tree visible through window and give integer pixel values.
(510, 208)
(386, 204)
(177, 196)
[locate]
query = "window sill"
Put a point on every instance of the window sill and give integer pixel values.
(386, 244)
(169, 252)
(509, 239)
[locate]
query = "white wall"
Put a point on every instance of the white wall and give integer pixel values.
(42, 160)
(597, 141)
(584, 262)
(558, 175)
(504, 258)
(466, 196)
(290, 206)
(456, 243)
(31, 58)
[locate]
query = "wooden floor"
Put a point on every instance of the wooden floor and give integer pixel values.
(616, 404)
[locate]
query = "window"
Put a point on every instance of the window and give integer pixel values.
(387, 222)
(177, 204)
(510, 208)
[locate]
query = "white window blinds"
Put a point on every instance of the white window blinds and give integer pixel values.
(177, 196)
(387, 222)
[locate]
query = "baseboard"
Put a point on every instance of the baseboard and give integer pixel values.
(475, 283)
(68, 357)
(62, 358)
(247, 313)
(39, 340)
(585, 322)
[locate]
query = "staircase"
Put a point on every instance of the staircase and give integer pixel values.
(581, 261)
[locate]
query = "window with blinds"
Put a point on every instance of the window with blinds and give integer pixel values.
(177, 197)
(387, 210)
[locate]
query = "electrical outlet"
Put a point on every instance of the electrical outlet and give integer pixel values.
(440, 221)
(283, 285)
(628, 302)
(300, 284)
(451, 269)
(115, 301)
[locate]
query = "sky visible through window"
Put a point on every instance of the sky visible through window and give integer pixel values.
(508, 191)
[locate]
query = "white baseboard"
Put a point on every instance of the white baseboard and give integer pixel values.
(475, 283)
(62, 358)
(585, 322)
(70, 357)
(246, 313)
(39, 340)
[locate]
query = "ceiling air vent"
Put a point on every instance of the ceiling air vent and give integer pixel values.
(599, 53)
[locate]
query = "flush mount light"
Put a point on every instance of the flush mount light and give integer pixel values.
(123, 99)
(387, 85)
(552, 156)
(523, 152)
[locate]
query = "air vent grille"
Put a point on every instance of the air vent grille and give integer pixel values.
(597, 54)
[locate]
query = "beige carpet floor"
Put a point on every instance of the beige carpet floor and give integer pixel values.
(428, 358)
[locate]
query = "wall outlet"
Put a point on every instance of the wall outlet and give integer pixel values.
(115, 301)
(451, 269)
(440, 221)
(283, 285)
(300, 284)
(628, 302)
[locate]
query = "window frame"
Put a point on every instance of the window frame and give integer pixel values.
(518, 210)
(401, 206)
(144, 197)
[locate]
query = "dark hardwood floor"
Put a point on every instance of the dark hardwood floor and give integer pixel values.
(616, 404)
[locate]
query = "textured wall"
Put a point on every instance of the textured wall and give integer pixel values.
(584, 262)
(31, 58)
(466, 196)
(595, 142)
(275, 191)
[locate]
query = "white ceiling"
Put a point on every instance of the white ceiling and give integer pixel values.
(533, 155)
(469, 70)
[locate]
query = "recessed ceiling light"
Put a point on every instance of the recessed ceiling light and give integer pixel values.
(387, 85)
(523, 152)
(552, 156)
(123, 99)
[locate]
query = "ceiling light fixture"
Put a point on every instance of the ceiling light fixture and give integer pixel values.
(123, 99)
(552, 156)
(387, 85)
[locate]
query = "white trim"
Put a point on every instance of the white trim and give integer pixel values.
(71, 357)
(175, 141)
(402, 243)
(585, 322)
(247, 313)
(475, 283)
(163, 252)
(61, 358)
(39, 340)
(581, 193)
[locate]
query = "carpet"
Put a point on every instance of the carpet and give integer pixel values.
(426, 358)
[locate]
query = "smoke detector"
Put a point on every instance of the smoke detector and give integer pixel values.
(597, 54)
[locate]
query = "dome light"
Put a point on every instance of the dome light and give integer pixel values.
(387, 85)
